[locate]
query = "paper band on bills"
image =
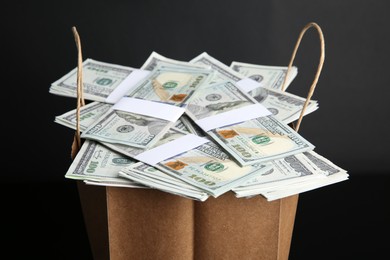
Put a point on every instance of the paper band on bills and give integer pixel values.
(149, 108)
(233, 117)
(128, 83)
(248, 84)
(170, 149)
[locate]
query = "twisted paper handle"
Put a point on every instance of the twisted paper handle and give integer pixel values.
(76, 145)
(321, 63)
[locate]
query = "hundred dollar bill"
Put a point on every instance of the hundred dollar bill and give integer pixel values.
(309, 185)
(155, 58)
(285, 171)
(150, 176)
(117, 182)
(121, 127)
(327, 171)
(252, 141)
(217, 98)
(269, 76)
(259, 140)
(171, 135)
(209, 168)
(170, 84)
(96, 162)
(284, 106)
(180, 125)
(222, 72)
(322, 164)
(88, 114)
(99, 80)
(191, 126)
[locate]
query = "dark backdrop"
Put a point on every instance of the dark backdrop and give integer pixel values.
(350, 128)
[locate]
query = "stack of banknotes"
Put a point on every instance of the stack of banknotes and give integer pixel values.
(195, 128)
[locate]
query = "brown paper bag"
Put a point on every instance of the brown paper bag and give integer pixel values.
(126, 223)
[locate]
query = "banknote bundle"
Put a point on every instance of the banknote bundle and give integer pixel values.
(195, 128)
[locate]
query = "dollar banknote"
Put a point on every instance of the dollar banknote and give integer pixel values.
(132, 152)
(284, 171)
(319, 172)
(269, 76)
(89, 113)
(155, 58)
(259, 140)
(96, 162)
(209, 168)
(170, 83)
(222, 72)
(216, 99)
(284, 106)
(152, 177)
(191, 126)
(99, 80)
(322, 164)
(309, 185)
(121, 127)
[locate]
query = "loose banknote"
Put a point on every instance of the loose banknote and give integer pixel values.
(269, 76)
(252, 141)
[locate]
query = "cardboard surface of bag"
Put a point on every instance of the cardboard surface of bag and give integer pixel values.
(126, 223)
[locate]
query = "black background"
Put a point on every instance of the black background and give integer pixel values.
(41, 209)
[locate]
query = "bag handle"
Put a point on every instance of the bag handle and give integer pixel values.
(76, 145)
(317, 75)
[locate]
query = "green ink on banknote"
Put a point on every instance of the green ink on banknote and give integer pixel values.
(170, 84)
(104, 81)
(214, 166)
(261, 139)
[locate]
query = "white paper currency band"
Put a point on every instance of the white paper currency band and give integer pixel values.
(128, 83)
(233, 117)
(170, 149)
(149, 108)
(248, 84)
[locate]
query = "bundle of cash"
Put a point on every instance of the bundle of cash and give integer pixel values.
(291, 175)
(139, 126)
(252, 141)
